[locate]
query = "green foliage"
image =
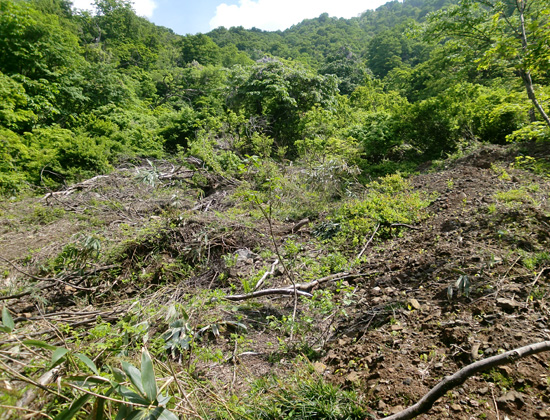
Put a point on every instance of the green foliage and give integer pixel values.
(199, 48)
(386, 202)
(503, 34)
(304, 396)
(77, 255)
(277, 93)
(7, 324)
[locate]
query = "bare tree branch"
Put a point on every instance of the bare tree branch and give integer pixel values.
(458, 378)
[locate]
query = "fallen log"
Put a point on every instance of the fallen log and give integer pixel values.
(458, 378)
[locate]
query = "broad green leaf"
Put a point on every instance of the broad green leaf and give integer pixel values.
(163, 400)
(58, 356)
(135, 376)
(118, 374)
(123, 412)
(88, 362)
(131, 396)
(148, 376)
(7, 320)
(99, 408)
(75, 407)
(39, 343)
(167, 415)
(87, 381)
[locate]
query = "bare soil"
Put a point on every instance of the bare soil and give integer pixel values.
(402, 331)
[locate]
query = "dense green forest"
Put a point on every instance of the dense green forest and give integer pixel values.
(406, 83)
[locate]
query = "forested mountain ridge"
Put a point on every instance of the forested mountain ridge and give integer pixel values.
(82, 91)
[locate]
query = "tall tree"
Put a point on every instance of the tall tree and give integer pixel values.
(515, 32)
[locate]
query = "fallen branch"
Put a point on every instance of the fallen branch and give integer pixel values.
(368, 242)
(288, 291)
(458, 378)
(393, 225)
(302, 289)
(75, 187)
(332, 277)
(62, 280)
(266, 275)
(32, 393)
(297, 226)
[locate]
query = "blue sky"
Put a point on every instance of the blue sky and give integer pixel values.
(192, 16)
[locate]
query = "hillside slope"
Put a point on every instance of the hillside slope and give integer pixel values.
(111, 265)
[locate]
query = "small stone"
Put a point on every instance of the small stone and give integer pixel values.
(473, 403)
(396, 409)
(511, 397)
(375, 291)
(382, 406)
(407, 381)
(319, 367)
(414, 304)
(456, 407)
(543, 415)
(508, 305)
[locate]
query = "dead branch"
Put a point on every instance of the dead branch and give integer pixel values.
(302, 289)
(55, 280)
(178, 174)
(75, 187)
(368, 242)
(266, 275)
(30, 395)
(458, 378)
(332, 277)
(108, 316)
(393, 225)
(288, 291)
(297, 226)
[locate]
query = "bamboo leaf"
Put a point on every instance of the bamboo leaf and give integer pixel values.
(148, 376)
(88, 362)
(75, 407)
(7, 320)
(134, 375)
(58, 356)
(39, 343)
(167, 415)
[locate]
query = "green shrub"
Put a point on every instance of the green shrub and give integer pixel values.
(386, 202)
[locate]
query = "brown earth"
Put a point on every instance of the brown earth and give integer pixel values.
(401, 331)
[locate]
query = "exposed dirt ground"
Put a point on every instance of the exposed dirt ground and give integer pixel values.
(403, 325)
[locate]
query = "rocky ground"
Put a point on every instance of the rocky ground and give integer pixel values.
(389, 326)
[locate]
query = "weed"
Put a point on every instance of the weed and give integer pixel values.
(41, 215)
(500, 171)
(304, 395)
(515, 196)
(533, 260)
(387, 201)
(497, 377)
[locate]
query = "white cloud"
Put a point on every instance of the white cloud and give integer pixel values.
(142, 7)
(280, 14)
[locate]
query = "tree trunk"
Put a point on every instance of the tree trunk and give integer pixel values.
(524, 72)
